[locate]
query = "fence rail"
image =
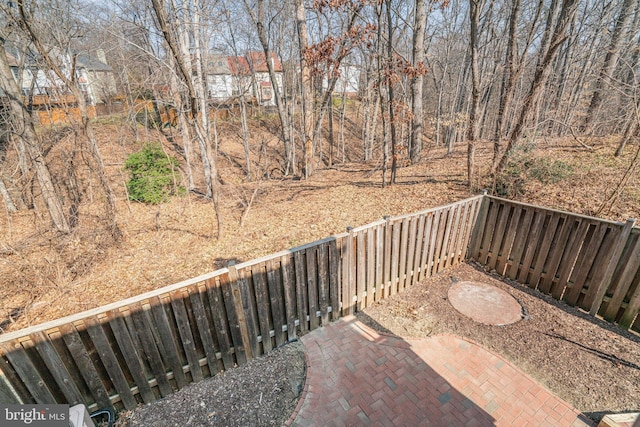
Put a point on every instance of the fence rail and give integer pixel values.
(143, 348)
(586, 262)
(146, 347)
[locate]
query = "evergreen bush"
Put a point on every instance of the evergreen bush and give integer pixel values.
(151, 174)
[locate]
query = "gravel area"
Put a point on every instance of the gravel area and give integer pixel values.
(264, 392)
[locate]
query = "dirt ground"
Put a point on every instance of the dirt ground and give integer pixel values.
(264, 392)
(585, 361)
(45, 276)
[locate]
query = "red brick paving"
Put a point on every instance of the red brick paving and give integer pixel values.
(356, 376)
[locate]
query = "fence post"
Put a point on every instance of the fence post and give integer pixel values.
(601, 288)
(478, 227)
(386, 269)
(239, 310)
(348, 270)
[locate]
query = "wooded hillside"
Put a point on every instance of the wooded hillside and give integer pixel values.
(235, 129)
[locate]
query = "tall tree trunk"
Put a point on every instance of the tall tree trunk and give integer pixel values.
(259, 22)
(390, 83)
(307, 90)
(70, 81)
(177, 37)
(243, 103)
(343, 111)
(610, 60)
(630, 129)
(475, 7)
(382, 70)
(183, 125)
(8, 201)
(245, 136)
(508, 80)
(331, 134)
(540, 77)
(417, 81)
(21, 126)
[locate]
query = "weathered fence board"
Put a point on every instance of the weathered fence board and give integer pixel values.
(404, 242)
(87, 369)
(335, 286)
(587, 262)
(168, 342)
(288, 281)
(301, 291)
(426, 241)
(629, 269)
(27, 372)
(144, 348)
(111, 364)
(361, 265)
(262, 302)
(153, 356)
(274, 286)
(370, 261)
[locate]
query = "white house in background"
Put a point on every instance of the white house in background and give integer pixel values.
(348, 82)
(95, 78)
(219, 78)
(262, 88)
(243, 76)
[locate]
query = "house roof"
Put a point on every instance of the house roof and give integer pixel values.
(32, 58)
(13, 62)
(238, 65)
(259, 65)
(91, 63)
(217, 64)
(15, 55)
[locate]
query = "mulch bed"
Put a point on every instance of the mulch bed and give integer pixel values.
(588, 362)
(263, 392)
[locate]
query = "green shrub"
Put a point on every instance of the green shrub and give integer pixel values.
(522, 167)
(151, 175)
(549, 171)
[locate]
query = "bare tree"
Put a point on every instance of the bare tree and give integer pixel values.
(558, 36)
(475, 7)
(177, 33)
(610, 61)
(23, 131)
(258, 18)
(33, 29)
(306, 86)
(417, 80)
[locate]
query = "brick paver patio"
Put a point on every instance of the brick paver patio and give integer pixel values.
(356, 376)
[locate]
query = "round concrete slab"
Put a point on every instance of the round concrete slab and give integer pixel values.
(485, 303)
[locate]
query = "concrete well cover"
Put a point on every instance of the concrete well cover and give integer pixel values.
(485, 303)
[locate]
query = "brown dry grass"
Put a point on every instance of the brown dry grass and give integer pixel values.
(46, 276)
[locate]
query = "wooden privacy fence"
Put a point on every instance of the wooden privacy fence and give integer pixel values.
(143, 348)
(586, 262)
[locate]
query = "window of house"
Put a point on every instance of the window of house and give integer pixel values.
(266, 92)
